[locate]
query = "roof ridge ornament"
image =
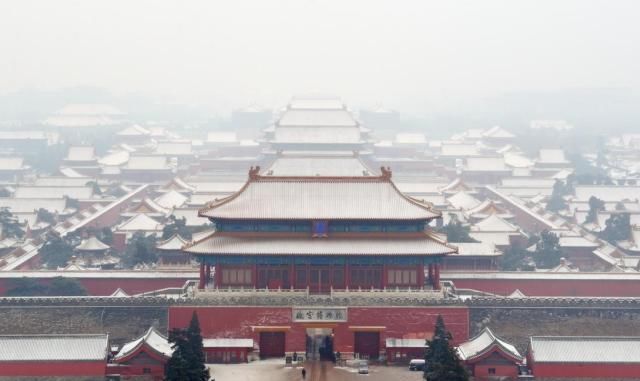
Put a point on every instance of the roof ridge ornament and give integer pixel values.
(254, 172)
(385, 173)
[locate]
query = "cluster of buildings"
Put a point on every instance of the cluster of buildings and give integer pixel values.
(313, 233)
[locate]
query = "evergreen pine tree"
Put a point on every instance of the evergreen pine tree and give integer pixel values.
(441, 360)
(197, 369)
(177, 368)
(187, 360)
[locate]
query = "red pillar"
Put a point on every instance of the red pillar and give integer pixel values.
(292, 278)
(207, 274)
(201, 281)
(385, 278)
(218, 275)
(420, 277)
(436, 276)
(254, 275)
(347, 276)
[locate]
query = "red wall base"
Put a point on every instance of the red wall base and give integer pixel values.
(392, 322)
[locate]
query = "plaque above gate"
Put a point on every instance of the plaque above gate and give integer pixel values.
(320, 314)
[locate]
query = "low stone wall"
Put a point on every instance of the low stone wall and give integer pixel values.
(121, 322)
(515, 320)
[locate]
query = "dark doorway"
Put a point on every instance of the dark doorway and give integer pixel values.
(271, 344)
(367, 345)
(320, 344)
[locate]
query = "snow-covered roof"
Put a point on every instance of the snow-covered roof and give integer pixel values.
(140, 222)
(171, 199)
(585, 349)
(190, 215)
(175, 242)
(53, 192)
(81, 153)
(494, 238)
(410, 138)
(221, 244)
(323, 118)
(517, 294)
(316, 104)
(552, 156)
(134, 130)
(174, 148)
(494, 223)
(463, 200)
(317, 166)
(476, 249)
(147, 163)
(605, 193)
(517, 160)
(222, 137)
(115, 158)
(577, 242)
(373, 197)
(459, 150)
(484, 342)
(119, 293)
(152, 340)
(91, 347)
(92, 244)
(11, 163)
(29, 205)
(317, 135)
(485, 164)
(498, 132)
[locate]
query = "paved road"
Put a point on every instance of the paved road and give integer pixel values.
(274, 370)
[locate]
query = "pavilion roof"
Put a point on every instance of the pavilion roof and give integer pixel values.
(140, 222)
(175, 242)
(483, 343)
(151, 339)
(494, 223)
(221, 244)
(92, 244)
(319, 198)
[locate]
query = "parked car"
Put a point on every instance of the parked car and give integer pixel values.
(363, 368)
(416, 364)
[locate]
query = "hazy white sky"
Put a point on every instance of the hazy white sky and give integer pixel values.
(403, 54)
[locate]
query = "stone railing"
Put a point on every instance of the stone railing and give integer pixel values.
(346, 297)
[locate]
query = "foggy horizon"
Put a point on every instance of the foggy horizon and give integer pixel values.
(412, 57)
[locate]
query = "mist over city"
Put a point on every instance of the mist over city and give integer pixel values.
(319, 190)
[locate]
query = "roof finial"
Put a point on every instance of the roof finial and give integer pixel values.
(386, 173)
(254, 172)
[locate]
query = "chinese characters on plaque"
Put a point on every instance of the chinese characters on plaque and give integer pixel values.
(320, 314)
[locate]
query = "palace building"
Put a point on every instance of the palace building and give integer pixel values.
(320, 234)
(317, 265)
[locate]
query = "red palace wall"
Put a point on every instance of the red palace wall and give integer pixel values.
(553, 287)
(52, 368)
(481, 371)
(398, 322)
(564, 370)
